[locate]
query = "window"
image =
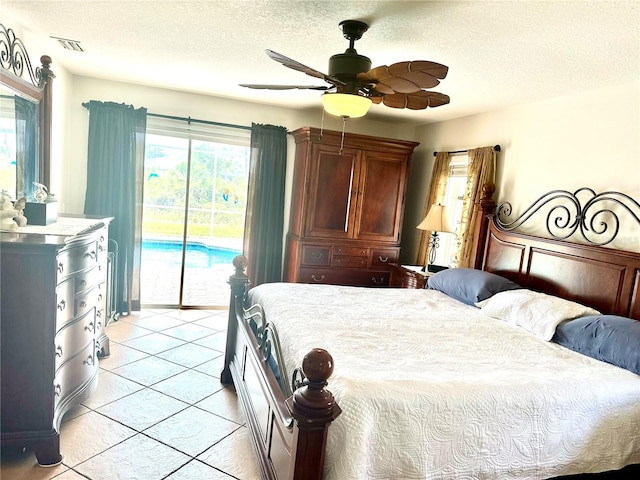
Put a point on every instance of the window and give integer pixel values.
(454, 195)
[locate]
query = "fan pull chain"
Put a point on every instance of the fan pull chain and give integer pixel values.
(322, 124)
(344, 121)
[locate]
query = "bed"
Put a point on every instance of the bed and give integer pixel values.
(473, 391)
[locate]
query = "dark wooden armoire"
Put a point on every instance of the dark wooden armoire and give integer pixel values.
(346, 208)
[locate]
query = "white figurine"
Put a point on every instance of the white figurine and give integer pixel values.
(11, 216)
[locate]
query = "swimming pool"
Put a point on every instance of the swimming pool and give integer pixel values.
(198, 255)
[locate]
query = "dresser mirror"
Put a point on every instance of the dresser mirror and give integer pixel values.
(25, 118)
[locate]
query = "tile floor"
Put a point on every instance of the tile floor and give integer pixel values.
(159, 412)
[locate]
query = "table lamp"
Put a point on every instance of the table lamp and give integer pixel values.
(437, 220)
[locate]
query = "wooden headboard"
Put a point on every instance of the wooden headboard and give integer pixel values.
(600, 277)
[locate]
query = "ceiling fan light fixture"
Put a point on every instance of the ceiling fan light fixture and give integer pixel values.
(345, 105)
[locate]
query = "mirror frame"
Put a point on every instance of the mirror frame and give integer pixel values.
(14, 60)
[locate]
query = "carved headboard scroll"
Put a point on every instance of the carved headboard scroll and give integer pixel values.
(596, 217)
(589, 273)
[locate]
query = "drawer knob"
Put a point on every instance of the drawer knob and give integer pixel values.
(377, 282)
(100, 297)
(89, 360)
(363, 252)
(83, 304)
(57, 390)
(62, 305)
(83, 283)
(315, 279)
(59, 351)
(60, 267)
(89, 328)
(91, 254)
(99, 314)
(383, 259)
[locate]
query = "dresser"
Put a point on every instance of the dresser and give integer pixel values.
(53, 308)
(347, 208)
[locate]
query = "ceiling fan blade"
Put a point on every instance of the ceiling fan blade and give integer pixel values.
(295, 65)
(404, 77)
(285, 87)
(431, 68)
(413, 101)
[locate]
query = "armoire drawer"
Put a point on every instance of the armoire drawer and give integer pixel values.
(73, 337)
(384, 256)
(351, 251)
(345, 261)
(338, 276)
(315, 255)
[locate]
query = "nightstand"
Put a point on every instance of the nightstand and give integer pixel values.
(409, 276)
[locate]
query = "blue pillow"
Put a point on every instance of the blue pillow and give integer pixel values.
(469, 285)
(608, 338)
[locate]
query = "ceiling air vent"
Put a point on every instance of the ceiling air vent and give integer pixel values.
(69, 44)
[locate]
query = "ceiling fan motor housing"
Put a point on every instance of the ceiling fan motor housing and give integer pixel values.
(345, 67)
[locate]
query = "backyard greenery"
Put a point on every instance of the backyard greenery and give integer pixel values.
(217, 188)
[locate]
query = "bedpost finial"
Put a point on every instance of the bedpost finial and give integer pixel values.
(317, 366)
(488, 189)
(240, 262)
(313, 403)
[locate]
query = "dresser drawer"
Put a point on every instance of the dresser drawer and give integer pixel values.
(65, 299)
(315, 255)
(69, 305)
(384, 256)
(101, 298)
(73, 337)
(77, 258)
(88, 300)
(87, 280)
(351, 251)
(344, 261)
(75, 372)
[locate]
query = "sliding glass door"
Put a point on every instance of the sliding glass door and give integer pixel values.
(195, 186)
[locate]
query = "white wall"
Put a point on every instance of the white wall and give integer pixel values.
(71, 167)
(588, 139)
(585, 139)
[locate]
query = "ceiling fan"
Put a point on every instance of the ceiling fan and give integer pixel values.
(354, 85)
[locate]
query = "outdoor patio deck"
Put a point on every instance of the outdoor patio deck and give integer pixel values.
(203, 286)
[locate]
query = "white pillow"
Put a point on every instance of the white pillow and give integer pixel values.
(536, 312)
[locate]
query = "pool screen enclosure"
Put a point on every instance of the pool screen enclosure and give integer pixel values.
(195, 192)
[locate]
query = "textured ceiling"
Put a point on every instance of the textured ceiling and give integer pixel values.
(499, 53)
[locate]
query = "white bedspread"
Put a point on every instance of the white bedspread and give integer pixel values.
(432, 389)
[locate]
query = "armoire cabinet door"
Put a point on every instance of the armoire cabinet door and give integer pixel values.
(380, 197)
(332, 192)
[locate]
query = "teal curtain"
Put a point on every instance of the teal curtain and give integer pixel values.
(115, 163)
(27, 164)
(265, 204)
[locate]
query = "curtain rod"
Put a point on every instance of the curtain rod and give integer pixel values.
(189, 119)
(496, 148)
(207, 122)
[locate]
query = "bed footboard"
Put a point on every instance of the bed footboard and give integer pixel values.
(288, 434)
